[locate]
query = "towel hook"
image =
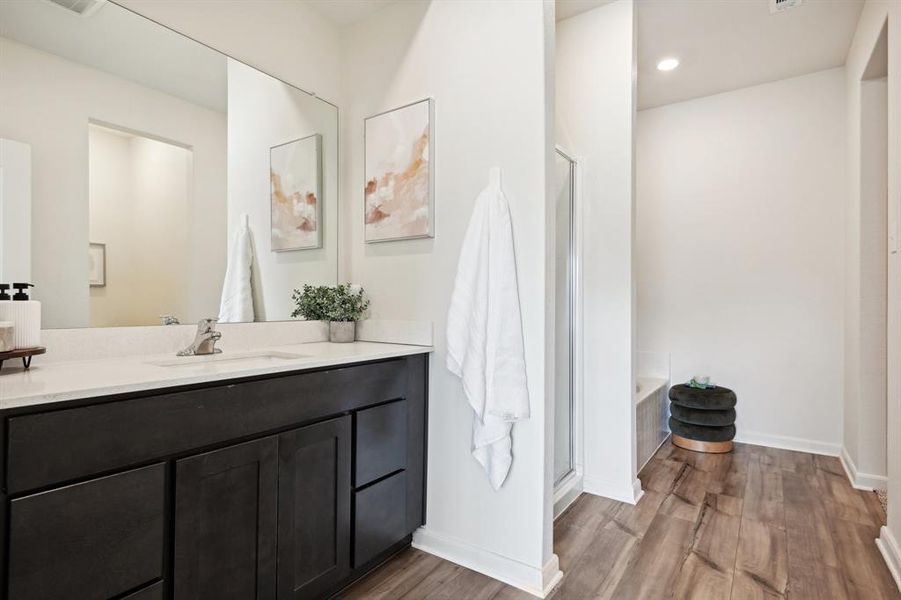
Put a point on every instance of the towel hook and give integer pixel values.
(494, 176)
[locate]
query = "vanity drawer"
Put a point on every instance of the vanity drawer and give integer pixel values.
(57, 446)
(380, 517)
(96, 539)
(380, 441)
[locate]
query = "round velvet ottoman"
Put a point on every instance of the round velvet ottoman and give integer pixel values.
(702, 420)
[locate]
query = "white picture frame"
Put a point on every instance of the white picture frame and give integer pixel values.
(96, 264)
(295, 182)
(399, 173)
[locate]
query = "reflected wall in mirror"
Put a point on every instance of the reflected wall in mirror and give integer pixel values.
(158, 148)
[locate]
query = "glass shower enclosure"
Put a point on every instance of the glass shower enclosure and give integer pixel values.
(564, 413)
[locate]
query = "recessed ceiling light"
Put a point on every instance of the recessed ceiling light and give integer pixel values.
(668, 64)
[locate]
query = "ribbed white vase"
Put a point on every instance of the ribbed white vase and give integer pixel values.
(26, 315)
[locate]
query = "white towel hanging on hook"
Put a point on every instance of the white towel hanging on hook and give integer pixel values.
(236, 305)
(484, 331)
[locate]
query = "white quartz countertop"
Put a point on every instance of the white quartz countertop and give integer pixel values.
(63, 381)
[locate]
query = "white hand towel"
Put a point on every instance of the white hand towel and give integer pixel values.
(484, 332)
(237, 296)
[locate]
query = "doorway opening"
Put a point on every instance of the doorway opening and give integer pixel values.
(140, 191)
(876, 243)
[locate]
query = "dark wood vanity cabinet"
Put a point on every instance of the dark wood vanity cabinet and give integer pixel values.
(314, 532)
(283, 487)
(226, 502)
(94, 539)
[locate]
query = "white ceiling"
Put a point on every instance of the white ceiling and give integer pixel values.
(346, 12)
(727, 45)
(121, 43)
(730, 44)
(722, 44)
(570, 8)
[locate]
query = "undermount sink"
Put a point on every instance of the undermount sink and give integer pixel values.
(262, 358)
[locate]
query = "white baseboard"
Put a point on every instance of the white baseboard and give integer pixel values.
(536, 581)
(788, 443)
(628, 494)
(637, 492)
(891, 552)
(551, 575)
(861, 481)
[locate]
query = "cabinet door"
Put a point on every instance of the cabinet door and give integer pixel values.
(91, 540)
(225, 523)
(314, 508)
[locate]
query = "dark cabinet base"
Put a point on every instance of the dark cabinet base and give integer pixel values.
(373, 565)
(225, 523)
(314, 509)
(289, 487)
(380, 513)
(151, 592)
(96, 539)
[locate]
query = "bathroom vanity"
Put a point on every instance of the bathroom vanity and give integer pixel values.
(287, 483)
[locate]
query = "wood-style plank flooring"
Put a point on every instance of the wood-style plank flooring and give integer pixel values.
(756, 523)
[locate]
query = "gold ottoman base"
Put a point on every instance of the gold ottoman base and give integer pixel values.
(696, 446)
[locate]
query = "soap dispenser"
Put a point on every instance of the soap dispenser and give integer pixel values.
(24, 313)
(21, 294)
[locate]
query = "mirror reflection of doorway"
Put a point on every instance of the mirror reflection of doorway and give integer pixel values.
(140, 218)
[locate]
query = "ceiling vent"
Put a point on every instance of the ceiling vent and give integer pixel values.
(777, 6)
(84, 8)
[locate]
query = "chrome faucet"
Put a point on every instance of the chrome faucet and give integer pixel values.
(205, 339)
(169, 320)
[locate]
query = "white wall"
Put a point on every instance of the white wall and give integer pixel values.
(15, 211)
(264, 112)
(872, 20)
(865, 339)
(286, 39)
(166, 234)
(35, 86)
(740, 242)
(484, 64)
(866, 268)
(110, 223)
(595, 114)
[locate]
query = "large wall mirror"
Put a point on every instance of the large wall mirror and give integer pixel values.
(145, 153)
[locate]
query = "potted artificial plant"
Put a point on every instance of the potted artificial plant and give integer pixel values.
(341, 305)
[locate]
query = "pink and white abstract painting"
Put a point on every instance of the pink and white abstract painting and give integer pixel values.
(399, 189)
(295, 175)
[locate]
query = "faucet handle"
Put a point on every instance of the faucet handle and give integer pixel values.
(208, 324)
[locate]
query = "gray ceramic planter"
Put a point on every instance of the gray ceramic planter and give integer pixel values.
(341, 331)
